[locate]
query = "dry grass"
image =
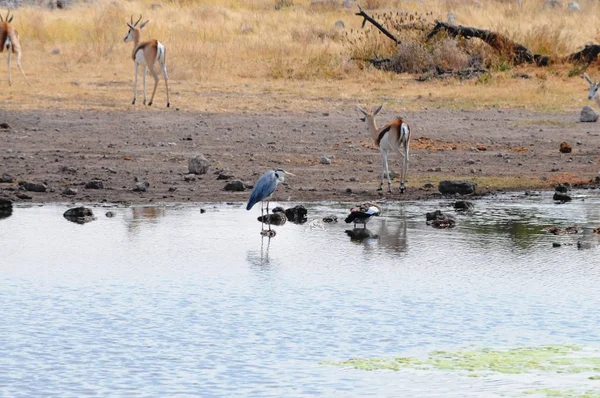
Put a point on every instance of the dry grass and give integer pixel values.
(253, 55)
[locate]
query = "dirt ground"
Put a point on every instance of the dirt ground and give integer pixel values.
(499, 149)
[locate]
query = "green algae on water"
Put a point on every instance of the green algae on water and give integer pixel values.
(553, 393)
(554, 358)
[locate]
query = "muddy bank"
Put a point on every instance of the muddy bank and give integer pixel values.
(142, 157)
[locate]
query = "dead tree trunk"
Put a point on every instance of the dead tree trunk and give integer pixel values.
(518, 53)
(586, 56)
(383, 30)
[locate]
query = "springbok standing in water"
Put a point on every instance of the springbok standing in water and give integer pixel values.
(147, 53)
(9, 38)
(394, 136)
(593, 89)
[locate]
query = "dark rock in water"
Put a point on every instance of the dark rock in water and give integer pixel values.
(79, 215)
(437, 219)
(273, 219)
(278, 209)
(556, 244)
(360, 234)
(5, 204)
(561, 197)
(235, 186)
(297, 214)
(33, 187)
(464, 205)
(202, 211)
(554, 230)
(457, 187)
(110, 214)
(5, 208)
(562, 188)
(7, 178)
(94, 184)
(70, 191)
(24, 196)
(330, 218)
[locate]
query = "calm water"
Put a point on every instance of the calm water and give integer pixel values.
(170, 302)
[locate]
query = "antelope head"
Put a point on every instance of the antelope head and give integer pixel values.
(8, 18)
(133, 34)
(369, 116)
(593, 88)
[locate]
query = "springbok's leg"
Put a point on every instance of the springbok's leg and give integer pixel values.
(144, 82)
(387, 171)
(9, 76)
(21, 68)
(155, 76)
(135, 83)
(382, 171)
(404, 168)
(163, 66)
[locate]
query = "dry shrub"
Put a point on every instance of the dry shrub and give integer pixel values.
(312, 34)
(373, 4)
(281, 4)
(325, 5)
(548, 40)
(448, 56)
(412, 57)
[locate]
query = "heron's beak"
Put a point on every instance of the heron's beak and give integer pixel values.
(290, 174)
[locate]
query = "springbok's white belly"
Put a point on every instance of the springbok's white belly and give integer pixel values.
(7, 43)
(139, 57)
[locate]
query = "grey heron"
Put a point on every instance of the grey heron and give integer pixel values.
(363, 213)
(262, 191)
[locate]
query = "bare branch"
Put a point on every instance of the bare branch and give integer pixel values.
(383, 30)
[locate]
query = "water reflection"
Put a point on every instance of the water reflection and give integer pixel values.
(392, 232)
(260, 259)
(140, 216)
(5, 213)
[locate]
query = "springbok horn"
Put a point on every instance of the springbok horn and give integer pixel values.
(138, 21)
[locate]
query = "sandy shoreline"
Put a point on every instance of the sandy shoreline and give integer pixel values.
(499, 149)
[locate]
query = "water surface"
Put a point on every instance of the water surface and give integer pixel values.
(166, 301)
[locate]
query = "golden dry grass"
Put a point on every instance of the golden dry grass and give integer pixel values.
(235, 56)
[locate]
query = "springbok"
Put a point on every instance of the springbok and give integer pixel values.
(593, 89)
(147, 53)
(9, 37)
(391, 137)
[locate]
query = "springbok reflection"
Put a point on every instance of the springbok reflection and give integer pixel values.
(144, 215)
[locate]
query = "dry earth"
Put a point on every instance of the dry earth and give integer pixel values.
(518, 149)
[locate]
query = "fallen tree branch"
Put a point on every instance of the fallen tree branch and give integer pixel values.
(587, 55)
(517, 52)
(383, 30)
(462, 74)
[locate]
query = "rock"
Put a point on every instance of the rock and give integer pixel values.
(110, 214)
(565, 147)
(348, 3)
(24, 196)
(556, 244)
(7, 178)
(202, 211)
(273, 218)
(456, 187)
(141, 186)
(325, 160)
(154, 6)
(246, 28)
(340, 24)
(224, 176)
(198, 165)
(94, 184)
(278, 209)
(464, 205)
(297, 214)
(330, 219)
(79, 215)
(428, 186)
(5, 204)
(437, 219)
(561, 188)
(235, 186)
(68, 170)
(4, 126)
(561, 197)
(573, 6)
(588, 115)
(70, 191)
(33, 187)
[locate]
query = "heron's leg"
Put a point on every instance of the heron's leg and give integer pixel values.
(268, 218)
(262, 216)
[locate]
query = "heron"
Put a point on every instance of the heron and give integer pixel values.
(262, 191)
(363, 213)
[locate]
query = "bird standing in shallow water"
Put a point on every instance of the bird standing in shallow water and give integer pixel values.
(363, 213)
(262, 191)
